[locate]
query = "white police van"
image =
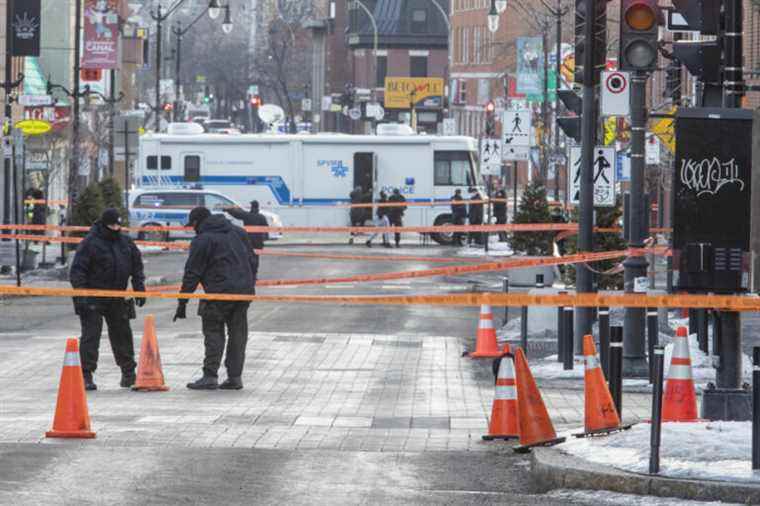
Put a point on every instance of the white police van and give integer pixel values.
(306, 178)
(171, 207)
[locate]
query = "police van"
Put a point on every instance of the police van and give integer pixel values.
(171, 207)
(306, 179)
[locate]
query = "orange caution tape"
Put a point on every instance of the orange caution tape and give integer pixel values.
(720, 302)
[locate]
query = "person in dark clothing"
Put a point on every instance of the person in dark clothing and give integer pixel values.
(107, 259)
(382, 220)
(459, 214)
(252, 219)
(475, 216)
(221, 259)
(396, 214)
(500, 212)
(357, 214)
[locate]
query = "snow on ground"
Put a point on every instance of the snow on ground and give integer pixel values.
(602, 498)
(495, 249)
(549, 369)
(709, 450)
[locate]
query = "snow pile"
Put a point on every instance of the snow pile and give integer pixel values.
(495, 249)
(549, 369)
(603, 497)
(701, 363)
(715, 450)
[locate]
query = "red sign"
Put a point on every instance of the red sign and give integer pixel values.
(90, 75)
(101, 34)
(58, 116)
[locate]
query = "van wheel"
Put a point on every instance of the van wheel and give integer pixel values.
(153, 236)
(443, 238)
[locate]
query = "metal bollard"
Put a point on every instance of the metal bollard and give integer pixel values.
(539, 280)
(524, 328)
(656, 430)
(604, 340)
(560, 334)
(702, 324)
(616, 368)
(567, 358)
(506, 291)
(717, 335)
(653, 339)
(756, 407)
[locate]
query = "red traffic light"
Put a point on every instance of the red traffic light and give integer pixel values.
(490, 107)
(256, 101)
(168, 107)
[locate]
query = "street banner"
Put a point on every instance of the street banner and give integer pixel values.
(604, 176)
(101, 34)
(25, 28)
(530, 65)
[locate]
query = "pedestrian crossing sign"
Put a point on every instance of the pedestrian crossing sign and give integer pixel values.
(517, 128)
(603, 174)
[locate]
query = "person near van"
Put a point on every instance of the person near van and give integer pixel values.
(221, 259)
(396, 213)
(357, 214)
(459, 215)
(382, 220)
(475, 215)
(252, 219)
(500, 212)
(106, 259)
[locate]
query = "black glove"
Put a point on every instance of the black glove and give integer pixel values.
(181, 313)
(140, 301)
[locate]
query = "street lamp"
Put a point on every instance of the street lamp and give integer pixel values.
(227, 24)
(214, 9)
(493, 18)
(501, 5)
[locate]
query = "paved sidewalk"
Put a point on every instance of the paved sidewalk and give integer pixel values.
(327, 391)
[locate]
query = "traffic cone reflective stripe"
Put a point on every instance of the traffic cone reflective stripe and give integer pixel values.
(600, 414)
(72, 419)
(504, 422)
(150, 377)
(485, 341)
(680, 399)
(535, 426)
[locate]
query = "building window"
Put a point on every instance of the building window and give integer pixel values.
(382, 71)
(418, 66)
(192, 168)
(462, 90)
(419, 21)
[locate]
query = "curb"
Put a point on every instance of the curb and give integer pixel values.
(553, 469)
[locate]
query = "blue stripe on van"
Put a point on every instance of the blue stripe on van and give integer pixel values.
(275, 183)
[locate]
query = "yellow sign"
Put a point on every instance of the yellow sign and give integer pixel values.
(401, 92)
(665, 130)
(610, 130)
(34, 126)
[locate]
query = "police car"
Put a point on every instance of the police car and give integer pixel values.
(163, 207)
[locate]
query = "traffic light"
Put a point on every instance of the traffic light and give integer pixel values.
(255, 101)
(600, 32)
(168, 107)
(639, 34)
(703, 58)
(571, 125)
(207, 95)
(490, 119)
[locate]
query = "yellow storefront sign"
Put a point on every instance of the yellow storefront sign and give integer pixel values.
(400, 92)
(665, 130)
(34, 126)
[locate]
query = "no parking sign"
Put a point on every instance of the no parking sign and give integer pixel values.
(616, 93)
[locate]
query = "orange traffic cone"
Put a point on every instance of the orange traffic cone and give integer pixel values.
(150, 377)
(72, 420)
(485, 343)
(504, 418)
(680, 401)
(601, 416)
(536, 427)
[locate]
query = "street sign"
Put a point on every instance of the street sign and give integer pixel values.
(34, 126)
(327, 103)
(652, 151)
(604, 176)
(37, 161)
(623, 167)
(664, 129)
(355, 113)
(511, 153)
(253, 89)
(306, 105)
(490, 156)
(516, 128)
(449, 126)
(375, 110)
(616, 94)
(35, 100)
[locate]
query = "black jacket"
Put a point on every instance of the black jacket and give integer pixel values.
(476, 210)
(500, 208)
(251, 219)
(395, 213)
(221, 259)
(458, 210)
(382, 210)
(107, 260)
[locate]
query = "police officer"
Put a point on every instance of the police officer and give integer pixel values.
(106, 259)
(500, 212)
(475, 215)
(396, 213)
(459, 213)
(221, 259)
(357, 214)
(252, 219)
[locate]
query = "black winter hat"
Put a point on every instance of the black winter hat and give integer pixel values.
(197, 216)
(111, 216)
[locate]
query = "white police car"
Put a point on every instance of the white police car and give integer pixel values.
(164, 207)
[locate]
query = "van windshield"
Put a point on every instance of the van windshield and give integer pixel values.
(454, 168)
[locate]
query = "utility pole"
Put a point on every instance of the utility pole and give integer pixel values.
(674, 83)
(545, 101)
(177, 64)
(558, 14)
(74, 160)
(159, 41)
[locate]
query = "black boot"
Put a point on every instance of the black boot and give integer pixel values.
(88, 383)
(232, 384)
(369, 244)
(205, 383)
(127, 379)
